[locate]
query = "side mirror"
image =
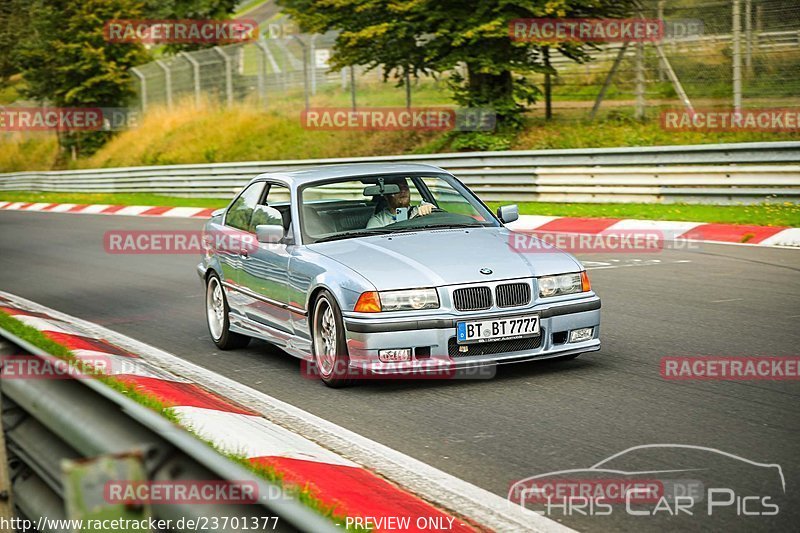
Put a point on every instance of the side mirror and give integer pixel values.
(269, 234)
(508, 213)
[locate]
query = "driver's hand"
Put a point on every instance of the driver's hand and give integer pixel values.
(424, 209)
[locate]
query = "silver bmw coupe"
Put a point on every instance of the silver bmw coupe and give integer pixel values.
(388, 269)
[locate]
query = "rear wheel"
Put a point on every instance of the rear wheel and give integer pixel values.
(217, 317)
(329, 342)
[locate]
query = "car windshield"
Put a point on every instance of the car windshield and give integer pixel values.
(350, 207)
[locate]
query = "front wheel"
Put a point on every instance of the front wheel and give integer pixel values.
(330, 344)
(219, 325)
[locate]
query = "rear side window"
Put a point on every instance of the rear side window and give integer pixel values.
(241, 211)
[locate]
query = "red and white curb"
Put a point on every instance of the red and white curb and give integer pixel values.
(107, 209)
(671, 230)
(350, 472)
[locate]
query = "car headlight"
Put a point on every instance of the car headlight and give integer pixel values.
(563, 284)
(409, 300)
(405, 300)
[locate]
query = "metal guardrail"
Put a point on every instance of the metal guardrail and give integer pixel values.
(46, 421)
(713, 173)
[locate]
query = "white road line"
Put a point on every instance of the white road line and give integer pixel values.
(182, 212)
(60, 208)
(94, 209)
(727, 300)
(36, 207)
(427, 482)
(133, 210)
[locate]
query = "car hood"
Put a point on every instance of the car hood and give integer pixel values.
(443, 257)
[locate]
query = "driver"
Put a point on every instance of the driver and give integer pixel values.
(401, 199)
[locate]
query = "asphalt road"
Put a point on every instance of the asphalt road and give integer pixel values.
(532, 418)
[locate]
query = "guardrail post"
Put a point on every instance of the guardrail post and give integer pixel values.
(353, 86)
(660, 17)
(6, 501)
(167, 81)
(142, 90)
(607, 82)
(228, 75)
(640, 103)
(737, 56)
(305, 68)
(676, 83)
(313, 58)
(748, 37)
(195, 76)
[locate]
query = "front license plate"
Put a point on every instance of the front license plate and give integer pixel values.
(489, 330)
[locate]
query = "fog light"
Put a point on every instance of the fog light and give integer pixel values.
(393, 356)
(580, 335)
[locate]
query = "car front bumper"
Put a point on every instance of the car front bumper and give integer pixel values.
(433, 338)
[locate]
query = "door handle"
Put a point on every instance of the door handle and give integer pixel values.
(244, 253)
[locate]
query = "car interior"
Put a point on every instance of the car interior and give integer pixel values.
(336, 216)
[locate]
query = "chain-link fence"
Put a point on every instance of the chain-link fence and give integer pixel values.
(722, 53)
(714, 53)
(256, 71)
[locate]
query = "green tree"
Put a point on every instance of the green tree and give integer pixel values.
(66, 61)
(189, 9)
(440, 35)
(13, 23)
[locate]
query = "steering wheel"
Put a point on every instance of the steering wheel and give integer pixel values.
(434, 210)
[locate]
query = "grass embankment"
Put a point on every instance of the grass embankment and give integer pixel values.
(40, 340)
(785, 214)
(272, 130)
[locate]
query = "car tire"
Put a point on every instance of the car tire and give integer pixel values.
(217, 310)
(329, 342)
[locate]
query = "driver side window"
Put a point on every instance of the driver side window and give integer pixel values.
(241, 211)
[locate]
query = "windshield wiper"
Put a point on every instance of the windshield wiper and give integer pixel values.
(440, 226)
(348, 234)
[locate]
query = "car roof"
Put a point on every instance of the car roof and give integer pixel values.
(351, 170)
